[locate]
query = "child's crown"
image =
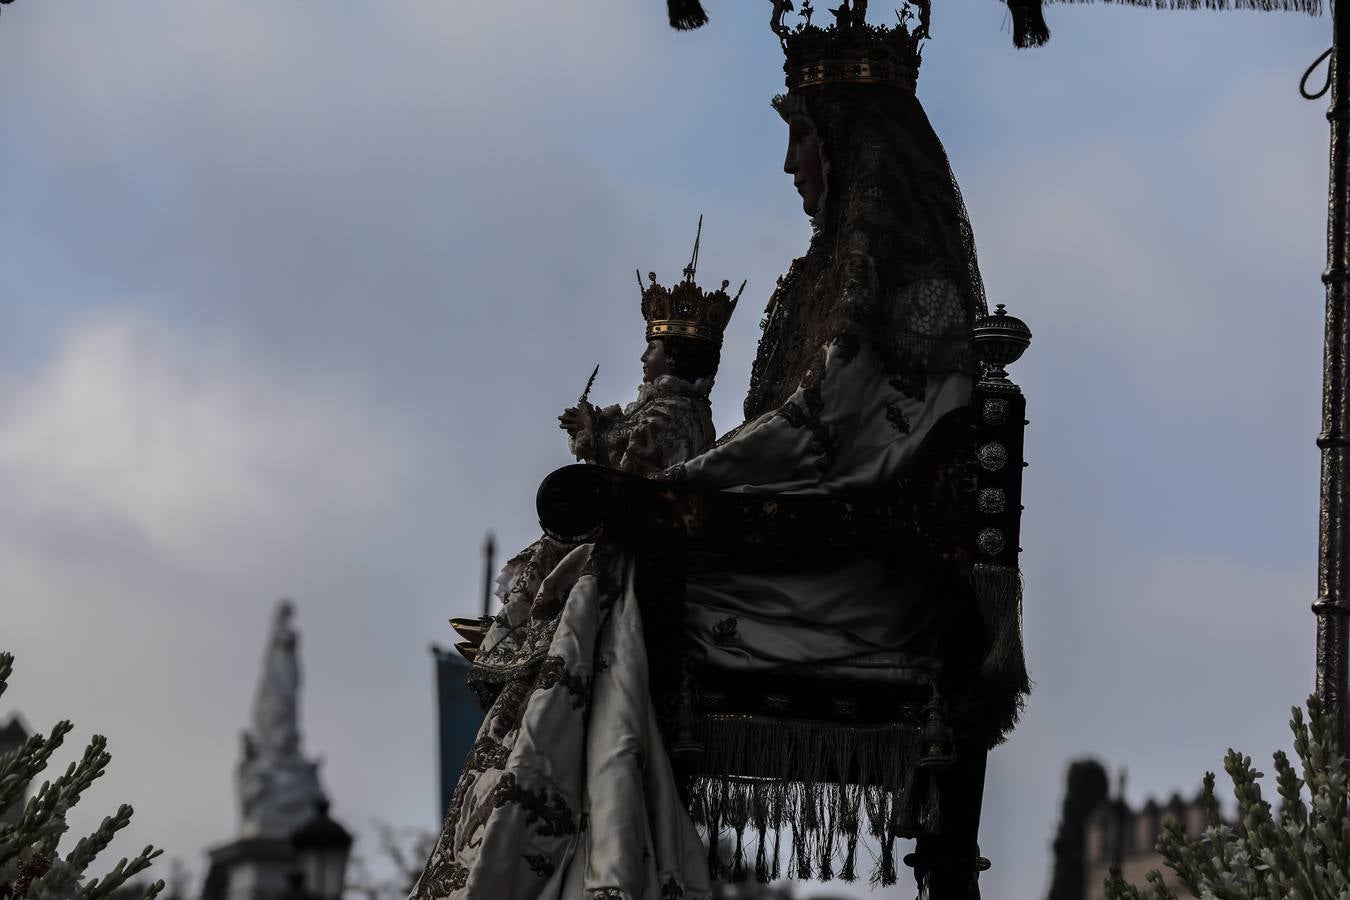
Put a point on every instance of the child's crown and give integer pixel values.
(685, 310)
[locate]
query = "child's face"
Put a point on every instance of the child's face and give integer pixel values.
(654, 361)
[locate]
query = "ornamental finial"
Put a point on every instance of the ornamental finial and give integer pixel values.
(999, 341)
(690, 269)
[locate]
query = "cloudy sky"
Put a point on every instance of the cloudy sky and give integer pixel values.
(292, 292)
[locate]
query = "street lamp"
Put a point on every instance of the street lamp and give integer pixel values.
(295, 888)
(321, 849)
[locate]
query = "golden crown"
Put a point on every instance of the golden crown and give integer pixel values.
(685, 310)
(850, 50)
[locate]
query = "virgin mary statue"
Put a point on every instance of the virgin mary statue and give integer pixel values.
(569, 791)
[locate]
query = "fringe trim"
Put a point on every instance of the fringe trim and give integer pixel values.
(1029, 28)
(998, 597)
(1028, 23)
(686, 15)
(821, 811)
(1310, 7)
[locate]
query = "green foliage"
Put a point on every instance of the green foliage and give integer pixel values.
(30, 865)
(1300, 853)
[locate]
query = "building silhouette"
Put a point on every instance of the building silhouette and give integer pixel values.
(457, 711)
(1099, 829)
(458, 716)
(1121, 834)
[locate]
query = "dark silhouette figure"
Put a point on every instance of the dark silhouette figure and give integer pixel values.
(1086, 789)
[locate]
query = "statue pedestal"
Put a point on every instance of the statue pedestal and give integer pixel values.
(255, 868)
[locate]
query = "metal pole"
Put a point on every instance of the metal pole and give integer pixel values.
(1333, 550)
(489, 551)
(1120, 810)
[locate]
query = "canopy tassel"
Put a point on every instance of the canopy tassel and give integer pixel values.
(686, 15)
(1028, 23)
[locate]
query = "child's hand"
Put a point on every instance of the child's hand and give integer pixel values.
(576, 419)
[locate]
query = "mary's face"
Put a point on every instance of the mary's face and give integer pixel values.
(804, 164)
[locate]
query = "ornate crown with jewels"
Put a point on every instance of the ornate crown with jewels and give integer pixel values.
(685, 310)
(850, 51)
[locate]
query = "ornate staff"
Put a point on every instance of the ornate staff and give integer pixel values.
(590, 382)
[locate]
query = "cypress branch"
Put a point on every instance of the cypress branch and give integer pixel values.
(1301, 851)
(30, 866)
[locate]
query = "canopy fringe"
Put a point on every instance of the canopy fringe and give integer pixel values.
(1310, 7)
(1029, 28)
(848, 775)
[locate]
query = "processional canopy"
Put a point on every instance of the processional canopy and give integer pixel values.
(1029, 28)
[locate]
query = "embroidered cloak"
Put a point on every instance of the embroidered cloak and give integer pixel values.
(567, 792)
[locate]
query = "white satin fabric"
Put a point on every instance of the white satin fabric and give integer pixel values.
(584, 804)
(822, 607)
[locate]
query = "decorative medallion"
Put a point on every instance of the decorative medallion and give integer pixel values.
(896, 416)
(990, 541)
(712, 701)
(725, 633)
(844, 707)
(992, 456)
(995, 412)
(991, 501)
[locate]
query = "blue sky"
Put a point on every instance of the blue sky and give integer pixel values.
(291, 294)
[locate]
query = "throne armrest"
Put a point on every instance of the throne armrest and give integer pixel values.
(959, 498)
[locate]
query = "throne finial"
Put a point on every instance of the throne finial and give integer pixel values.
(999, 341)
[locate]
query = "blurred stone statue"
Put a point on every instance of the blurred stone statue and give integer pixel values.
(278, 787)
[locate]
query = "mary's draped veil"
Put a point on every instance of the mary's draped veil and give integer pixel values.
(892, 260)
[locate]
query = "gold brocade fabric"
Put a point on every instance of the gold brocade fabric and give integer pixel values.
(567, 793)
(670, 422)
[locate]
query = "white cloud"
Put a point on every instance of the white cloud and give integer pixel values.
(182, 447)
(160, 489)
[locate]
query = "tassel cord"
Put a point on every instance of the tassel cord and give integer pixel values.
(1303, 82)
